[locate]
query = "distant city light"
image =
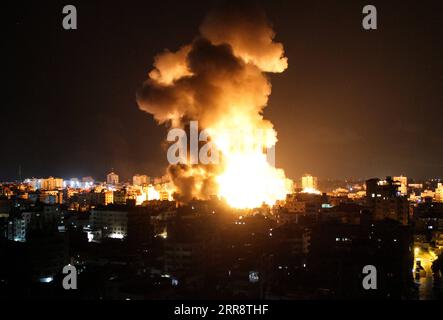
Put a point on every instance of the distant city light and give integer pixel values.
(46, 279)
(253, 276)
(116, 236)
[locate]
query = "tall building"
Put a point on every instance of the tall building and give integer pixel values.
(309, 182)
(119, 197)
(18, 226)
(51, 183)
(110, 222)
(34, 183)
(51, 197)
(386, 200)
(105, 197)
(376, 188)
(403, 187)
(396, 208)
(112, 178)
(140, 180)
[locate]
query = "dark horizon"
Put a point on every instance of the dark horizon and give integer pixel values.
(353, 103)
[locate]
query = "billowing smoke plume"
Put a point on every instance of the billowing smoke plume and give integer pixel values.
(219, 80)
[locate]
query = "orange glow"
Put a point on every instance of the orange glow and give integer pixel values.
(248, 181)
(311, 191)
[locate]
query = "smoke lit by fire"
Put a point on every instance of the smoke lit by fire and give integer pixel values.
(220, 81)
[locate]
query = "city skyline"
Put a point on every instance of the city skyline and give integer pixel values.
(391, 223)
(130, 176)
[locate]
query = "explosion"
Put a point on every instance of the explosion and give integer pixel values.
(220, 81)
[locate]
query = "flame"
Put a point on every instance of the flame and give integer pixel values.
(152, 193)
(163, 191)
(248, 181)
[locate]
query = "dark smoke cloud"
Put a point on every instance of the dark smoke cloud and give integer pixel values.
(219, 79)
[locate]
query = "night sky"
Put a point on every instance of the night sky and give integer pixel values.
(353, 103)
